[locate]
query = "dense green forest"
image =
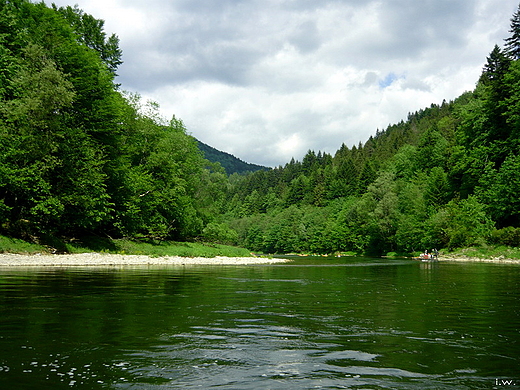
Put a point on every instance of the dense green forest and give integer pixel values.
(230, 163)
(446, 177)
(78, 156)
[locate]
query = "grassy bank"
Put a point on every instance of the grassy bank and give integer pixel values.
(123, 246)
(486, 252)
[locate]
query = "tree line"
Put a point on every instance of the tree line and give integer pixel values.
(78, 156)
(446, 177)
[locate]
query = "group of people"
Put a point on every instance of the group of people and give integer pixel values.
(433, 255)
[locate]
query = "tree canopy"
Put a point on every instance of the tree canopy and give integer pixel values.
(77, 155)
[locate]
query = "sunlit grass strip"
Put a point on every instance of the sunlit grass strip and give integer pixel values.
(183, 249)
(128, 247)
(14, 245)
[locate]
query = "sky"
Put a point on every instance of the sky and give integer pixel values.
(269, 80)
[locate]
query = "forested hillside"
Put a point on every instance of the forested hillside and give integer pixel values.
(446, 177)
(77, 155)
(230, 163)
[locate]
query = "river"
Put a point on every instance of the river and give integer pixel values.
(314, 323)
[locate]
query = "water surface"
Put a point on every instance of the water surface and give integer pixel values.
(329, 323)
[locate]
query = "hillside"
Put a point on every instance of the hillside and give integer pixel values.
(447, 177)
(229, 162)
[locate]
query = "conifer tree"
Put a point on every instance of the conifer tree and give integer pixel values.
(513, 42)
(496, 66)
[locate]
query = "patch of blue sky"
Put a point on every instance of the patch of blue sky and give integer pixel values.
(388, 80)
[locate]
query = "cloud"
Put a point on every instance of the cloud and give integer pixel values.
(267, 80)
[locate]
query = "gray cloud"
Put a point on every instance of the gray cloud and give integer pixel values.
(268, 80)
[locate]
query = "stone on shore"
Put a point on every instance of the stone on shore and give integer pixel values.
(97, 259)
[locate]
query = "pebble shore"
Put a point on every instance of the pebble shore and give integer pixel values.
(498, 260)
(97, 259)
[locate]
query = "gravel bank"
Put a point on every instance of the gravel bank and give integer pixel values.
(97, 259)
(498, 260)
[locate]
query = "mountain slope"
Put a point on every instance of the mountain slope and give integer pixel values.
(229, 162)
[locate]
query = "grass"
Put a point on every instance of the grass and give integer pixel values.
(487, 252)
(123, 246)
(14, 245)
(399, 254)
(194, 249)
(183, 249)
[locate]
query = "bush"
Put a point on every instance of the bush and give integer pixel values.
(220, 233)
(461, 224)
(509, 236)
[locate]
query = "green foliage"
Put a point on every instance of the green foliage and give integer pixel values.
(220, 233)
(499, 190)
(90, 32)
(230, 163)
(184, 249)
(460, 224)
(509, 236)
(513, 42)
(497, 252)
(436, 188)
(124, 246)
(14, 245)
(77, 156)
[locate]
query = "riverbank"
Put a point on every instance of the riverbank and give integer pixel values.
(154, 249)
(97, 260)
(499, 259)
(484, 254)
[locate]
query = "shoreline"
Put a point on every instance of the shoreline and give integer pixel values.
(11, 260)
(469, 259)
(103, 260)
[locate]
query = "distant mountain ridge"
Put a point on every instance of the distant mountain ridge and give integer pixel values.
(230, 163)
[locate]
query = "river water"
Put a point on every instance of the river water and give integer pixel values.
(315, 323)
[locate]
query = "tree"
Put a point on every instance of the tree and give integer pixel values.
(76, 156)
(499, 189)
(436, 187)
(384, 214)
(412, 216)
(220, 233)
(90, 32)
(513, 42)
(347, 177)
(496, 66)
(52, 175)
(366, 176)
(512, 104)
(496, 93)
(41, 92)
(158, 179)
(460, 224)
(297, 190)
(433, 149)
(404, 162)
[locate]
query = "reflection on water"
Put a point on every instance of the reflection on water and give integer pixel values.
(316, 323)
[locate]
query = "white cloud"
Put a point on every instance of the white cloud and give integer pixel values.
(269, 80)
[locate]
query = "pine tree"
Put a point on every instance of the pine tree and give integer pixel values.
(513, 42)
(496, 67)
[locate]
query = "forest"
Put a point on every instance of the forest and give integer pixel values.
(80, 157)
(230, 163)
